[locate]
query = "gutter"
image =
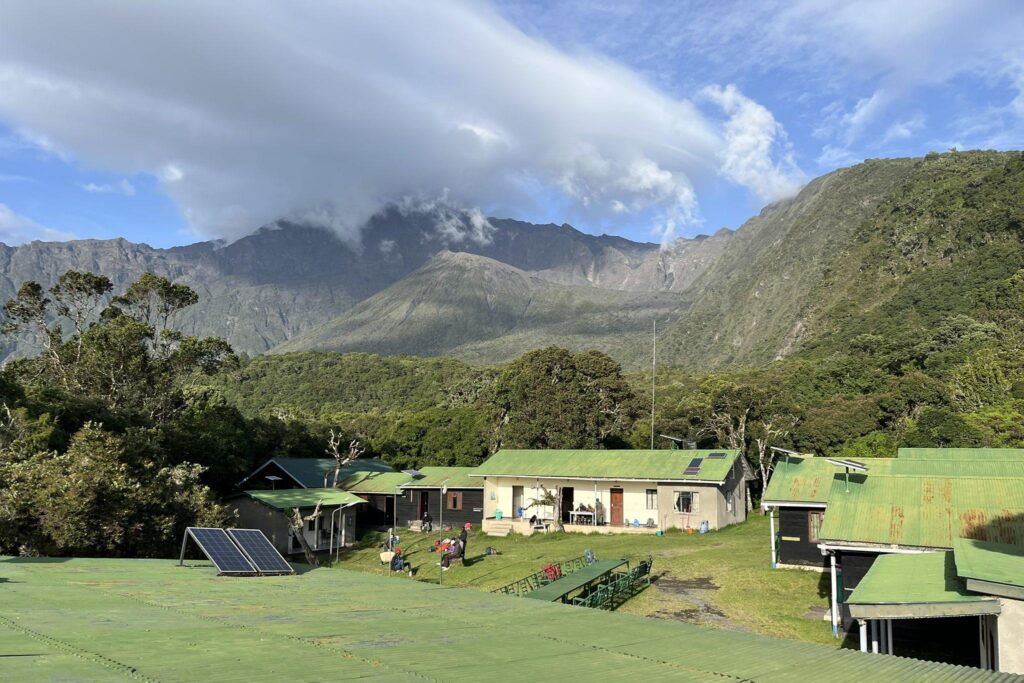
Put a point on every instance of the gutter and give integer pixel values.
(716, 482)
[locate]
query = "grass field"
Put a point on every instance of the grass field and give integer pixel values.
(721, 579)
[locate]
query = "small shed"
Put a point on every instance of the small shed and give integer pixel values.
(270, 511)
(929, 601)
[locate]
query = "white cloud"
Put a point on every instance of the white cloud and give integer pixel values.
(904, 129)
(17, 229)
(120, 187)
(752, 135)
(329, 111)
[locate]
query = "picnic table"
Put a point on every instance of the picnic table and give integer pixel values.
(558, 590)
(575, 515)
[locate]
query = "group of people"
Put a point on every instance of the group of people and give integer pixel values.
(450, 548)
(453, 548)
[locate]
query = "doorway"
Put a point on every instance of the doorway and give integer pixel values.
(517, 501)
(616, 504)
(424, 503)
(568, 494)
(389, 511)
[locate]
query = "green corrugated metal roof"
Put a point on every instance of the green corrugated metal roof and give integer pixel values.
(125, 620)
(452, 477)
(962, 453)
(916, 586)
(309, 472)
(902, 579)
(284, 499)
(375, 482)
(925, 512)
(987, 561)
(808, 479)
(647, 465)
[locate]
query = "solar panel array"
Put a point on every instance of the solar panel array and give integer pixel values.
(694, 466)
(225, 555)
(259, 551)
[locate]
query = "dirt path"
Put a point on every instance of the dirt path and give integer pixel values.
(694, 592)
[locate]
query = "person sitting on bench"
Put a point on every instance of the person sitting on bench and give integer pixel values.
(427, 524)
(453, 553)
(399, 564)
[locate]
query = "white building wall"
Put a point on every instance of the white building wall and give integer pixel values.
(1011, 636)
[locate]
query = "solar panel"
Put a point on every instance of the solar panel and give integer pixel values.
(217, 546)
(260, 551)
(716, 456)
(695, 463)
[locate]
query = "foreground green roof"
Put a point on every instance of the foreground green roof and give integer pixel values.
(285, 499)
(808, 479)
(452, 477)
(646, 465)
(927, 512)
(374, 482)
(999, 565)
(150, 620)
(916, 586)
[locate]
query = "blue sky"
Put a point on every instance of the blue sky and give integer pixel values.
(644, 119)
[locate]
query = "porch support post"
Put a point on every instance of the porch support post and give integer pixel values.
(888, 637)
(771, 528)
(874, 636)
(835, 596)
(862, 626)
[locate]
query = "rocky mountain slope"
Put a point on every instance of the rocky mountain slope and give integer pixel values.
(279, 282)
(849, 243)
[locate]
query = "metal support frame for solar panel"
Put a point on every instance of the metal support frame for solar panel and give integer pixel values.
(219, 549)
(260, 552)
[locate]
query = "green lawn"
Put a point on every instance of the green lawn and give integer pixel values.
(721, 579)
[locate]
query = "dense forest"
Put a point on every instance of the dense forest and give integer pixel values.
(122, 430)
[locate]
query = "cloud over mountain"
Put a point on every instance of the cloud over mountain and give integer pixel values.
(249, 112)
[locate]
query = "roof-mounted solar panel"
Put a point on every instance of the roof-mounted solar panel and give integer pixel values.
(716, 456)
(695, 462)
(849, 464)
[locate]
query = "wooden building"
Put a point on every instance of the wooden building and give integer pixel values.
(381, 491)
(451, 495)
(620, 491)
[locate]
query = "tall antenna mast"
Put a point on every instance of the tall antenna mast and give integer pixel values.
(654, 369)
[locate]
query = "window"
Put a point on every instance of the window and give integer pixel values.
(455, 500)
(814, 520)
(311, 525)
(652, 499)
(730, 503)
(687, 501)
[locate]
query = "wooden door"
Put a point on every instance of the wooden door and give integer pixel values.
(616, 495)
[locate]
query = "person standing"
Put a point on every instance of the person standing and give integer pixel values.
(463, 536)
